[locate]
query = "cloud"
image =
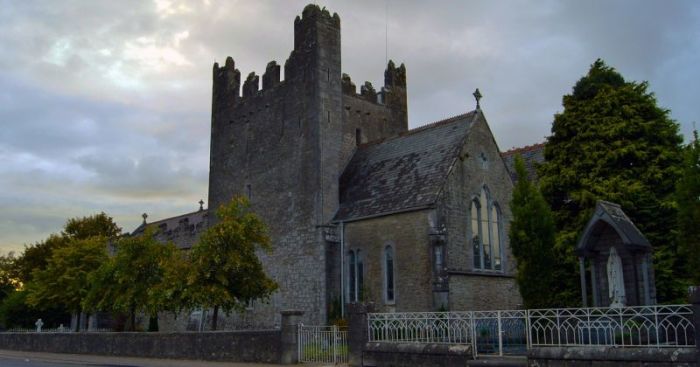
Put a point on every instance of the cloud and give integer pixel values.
(106, 105)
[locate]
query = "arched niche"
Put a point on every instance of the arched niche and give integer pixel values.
(615, 258)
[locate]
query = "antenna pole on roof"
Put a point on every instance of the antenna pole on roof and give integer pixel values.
(477, 96)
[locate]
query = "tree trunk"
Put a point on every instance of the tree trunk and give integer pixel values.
(132, 319)
(153, 323)
(215, 317)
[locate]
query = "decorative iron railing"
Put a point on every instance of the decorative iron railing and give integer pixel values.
(643, 326)
(423, 327)
(513, 331)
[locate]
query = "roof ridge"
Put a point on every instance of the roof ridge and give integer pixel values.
(525, 148)
(437, 123)
(419, 129)
(177, 216)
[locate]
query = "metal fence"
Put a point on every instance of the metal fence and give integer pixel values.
(514, 331)
(422, 327)
(323, 344)
(643, 326)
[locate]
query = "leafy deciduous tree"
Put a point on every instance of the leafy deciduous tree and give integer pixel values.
(134, 279)
(227, 273)
(65, 279)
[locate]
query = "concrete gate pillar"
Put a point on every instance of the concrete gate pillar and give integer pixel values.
(289, 353)
(357, 331)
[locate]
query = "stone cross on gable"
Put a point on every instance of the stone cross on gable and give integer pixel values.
(144, 215)
(201, 204)
(477, 95)
(39, 324)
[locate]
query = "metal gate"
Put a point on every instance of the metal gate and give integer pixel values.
(500, 332)
(324, 344)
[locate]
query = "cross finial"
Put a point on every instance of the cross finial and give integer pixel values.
(201, 204)
(144, 215)
(477, 96)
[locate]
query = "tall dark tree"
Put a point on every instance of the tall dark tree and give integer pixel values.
(613, 142)
(532, 234)
(688, 199)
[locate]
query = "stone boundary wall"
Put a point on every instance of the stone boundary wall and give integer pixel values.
(237, 346)
(416, 355)
(611, 356)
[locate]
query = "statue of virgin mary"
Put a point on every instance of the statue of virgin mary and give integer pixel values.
(616, 281)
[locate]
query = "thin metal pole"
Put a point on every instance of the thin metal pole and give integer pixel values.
(500, 334)
(528, 332)
(335, 343)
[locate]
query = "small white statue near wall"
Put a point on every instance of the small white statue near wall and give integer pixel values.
(616, 281)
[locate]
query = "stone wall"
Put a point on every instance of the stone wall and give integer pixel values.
(244, 346)
(416, 355)
(480, 164)
(407, 233)
(611, 356)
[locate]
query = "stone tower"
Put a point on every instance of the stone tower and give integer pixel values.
(285, 145)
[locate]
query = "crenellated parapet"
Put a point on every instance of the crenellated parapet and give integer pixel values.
(392, 95)
(368, 92)
(395, 77)
(251, 85)
(348, 86)
(311, 31)
(227, 83)
(271, 76)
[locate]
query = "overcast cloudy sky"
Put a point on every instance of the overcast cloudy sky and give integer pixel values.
(105, 105)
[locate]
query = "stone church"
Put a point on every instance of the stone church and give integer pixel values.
(359, 207)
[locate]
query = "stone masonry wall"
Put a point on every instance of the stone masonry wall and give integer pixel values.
(284, 147)
(408, 234)
(470, 288)
(243, 346)
(280, 148)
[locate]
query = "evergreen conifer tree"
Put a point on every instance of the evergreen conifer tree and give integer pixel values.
(688, 199)
(612, 142)
(532, 234)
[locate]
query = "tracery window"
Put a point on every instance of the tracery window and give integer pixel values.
(485, 231)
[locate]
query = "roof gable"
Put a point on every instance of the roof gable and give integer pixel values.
(533, 156)
(183, 230)
(402, 173)
(612, 214)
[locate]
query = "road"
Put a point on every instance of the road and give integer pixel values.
(31, 359)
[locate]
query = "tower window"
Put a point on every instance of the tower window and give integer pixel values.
(358, 136)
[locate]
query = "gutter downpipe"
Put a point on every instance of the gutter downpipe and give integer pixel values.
(342, 269)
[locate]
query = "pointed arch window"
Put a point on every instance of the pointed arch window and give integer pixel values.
(355, 276)
(485, 232)
(389, 293)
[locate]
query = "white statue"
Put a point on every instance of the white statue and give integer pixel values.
(616, 281)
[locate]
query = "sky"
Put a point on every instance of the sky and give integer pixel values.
(105, 105)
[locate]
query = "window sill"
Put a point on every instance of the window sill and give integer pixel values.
(483, 273)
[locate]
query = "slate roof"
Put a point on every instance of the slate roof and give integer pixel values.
(401, 173)
(183, 230)
(533, 155)
(612, 214)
